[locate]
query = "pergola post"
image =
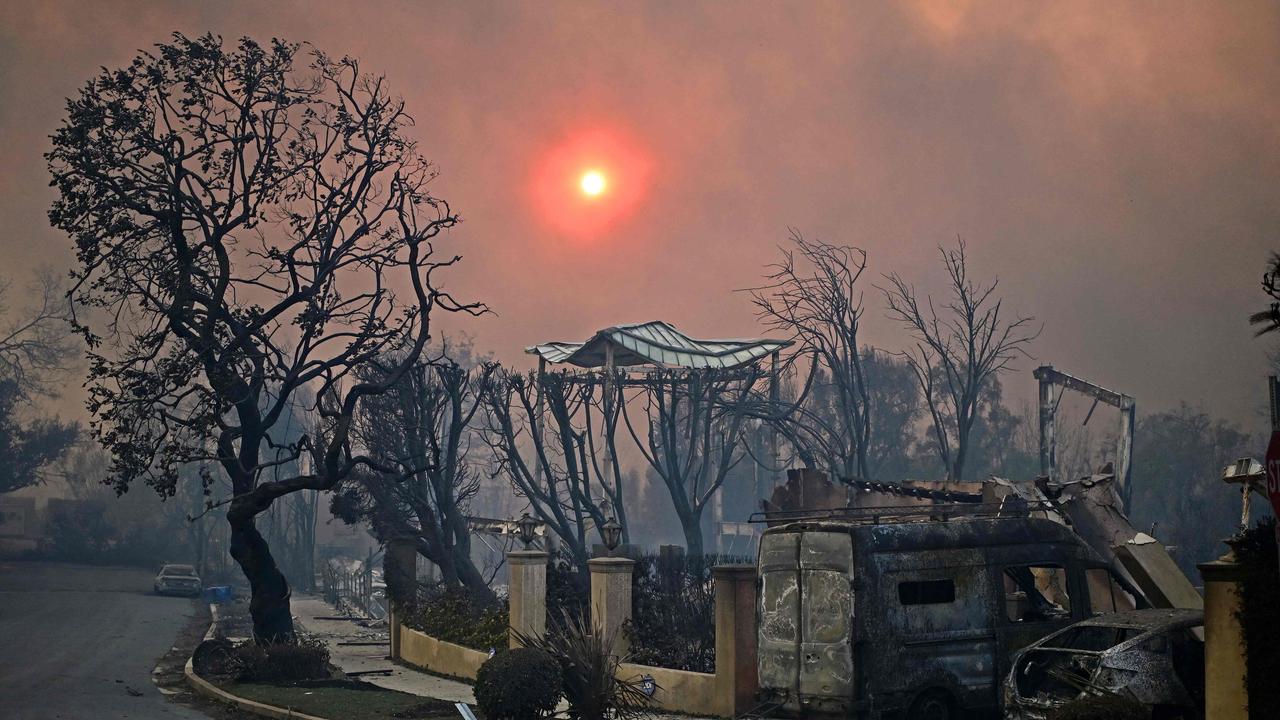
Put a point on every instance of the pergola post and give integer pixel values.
(538, 421)
(609, 459)
(774, 395)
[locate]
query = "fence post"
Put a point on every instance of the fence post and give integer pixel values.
(735, 618)
(527, 594)
(611, 597)
(400, 571)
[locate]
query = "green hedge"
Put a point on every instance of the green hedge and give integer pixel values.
(672, 621)
(455, 615)
(1260, 599)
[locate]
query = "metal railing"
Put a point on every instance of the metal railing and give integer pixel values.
(352, 585)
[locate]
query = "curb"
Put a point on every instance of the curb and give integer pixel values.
(213, 692)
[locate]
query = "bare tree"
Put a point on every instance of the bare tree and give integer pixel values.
(35, 348)
(422, 428)
(240, 218)
(959, 349)
(812, 294)
(557, 470)
(35, 352)
(693, 435)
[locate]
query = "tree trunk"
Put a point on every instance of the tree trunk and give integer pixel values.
(469, 575)
(269, 599)
(691, 523)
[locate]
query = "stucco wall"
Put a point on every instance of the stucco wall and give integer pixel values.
(690, 693)
(438, 656)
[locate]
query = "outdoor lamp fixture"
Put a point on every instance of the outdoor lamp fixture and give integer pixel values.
(525, 527)
(611, 533)
(1250, 475)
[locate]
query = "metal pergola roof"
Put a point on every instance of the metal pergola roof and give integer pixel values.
(656, 343)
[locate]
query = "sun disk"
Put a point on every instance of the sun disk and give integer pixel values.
(592, 183)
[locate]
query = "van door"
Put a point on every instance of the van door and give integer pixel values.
(806, 613)
(779, 631)
(826, 609)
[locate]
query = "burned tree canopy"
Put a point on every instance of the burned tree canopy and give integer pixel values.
(252, 225)
(961, 345)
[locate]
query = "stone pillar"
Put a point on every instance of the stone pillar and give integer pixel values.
(611, 597)
(527, 593)
(735, 617)
(400, 571)
(1226, 695)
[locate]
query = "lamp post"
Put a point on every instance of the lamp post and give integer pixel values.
(525, 528)
(611, 534)
(1250, 475)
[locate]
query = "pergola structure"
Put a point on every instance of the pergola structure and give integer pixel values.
(657, 344)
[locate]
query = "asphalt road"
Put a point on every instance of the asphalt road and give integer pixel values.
(81, 642)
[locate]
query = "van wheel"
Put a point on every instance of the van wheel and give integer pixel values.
(933, 705)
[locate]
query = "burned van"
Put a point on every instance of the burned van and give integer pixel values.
(907, 617)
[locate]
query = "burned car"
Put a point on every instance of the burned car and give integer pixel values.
(915, 613)
(1155, 657)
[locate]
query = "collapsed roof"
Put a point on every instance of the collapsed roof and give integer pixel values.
(657, 343)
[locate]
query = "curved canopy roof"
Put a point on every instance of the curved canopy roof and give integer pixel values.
(656, 343)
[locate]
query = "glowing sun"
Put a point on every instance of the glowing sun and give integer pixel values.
(592, 183)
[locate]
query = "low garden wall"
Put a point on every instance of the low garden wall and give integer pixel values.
(437, 656)
(681, 691)
(726, 692)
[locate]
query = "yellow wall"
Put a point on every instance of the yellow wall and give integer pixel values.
(691, 693)
(438, 656)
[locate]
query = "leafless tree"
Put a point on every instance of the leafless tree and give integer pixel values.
(813, 296)
(422, 428)
(559, 469)
(693, 434)
(241, 217)
(35, 352)
(35, 345)
(959, 348)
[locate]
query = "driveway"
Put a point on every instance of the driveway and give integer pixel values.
(81, 642)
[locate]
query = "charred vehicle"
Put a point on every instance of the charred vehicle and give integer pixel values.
(1153, 656)
(914, 613)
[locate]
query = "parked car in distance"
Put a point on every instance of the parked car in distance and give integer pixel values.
(177, 580)
(1154, 656)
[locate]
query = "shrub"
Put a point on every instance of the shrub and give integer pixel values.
(519, 684)
(568, 591)
(1101, 707)
(590, 667)
(457, 616)
(286, 662)
(1259, 597)
(672, 621)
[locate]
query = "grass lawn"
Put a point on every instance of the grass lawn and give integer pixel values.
(345, 700)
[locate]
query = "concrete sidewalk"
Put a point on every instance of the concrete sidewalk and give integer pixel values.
(358, 650)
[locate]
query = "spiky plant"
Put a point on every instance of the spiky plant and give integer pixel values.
(592, 685)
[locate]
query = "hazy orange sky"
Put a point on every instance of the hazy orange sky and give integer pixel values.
(1115, 164)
